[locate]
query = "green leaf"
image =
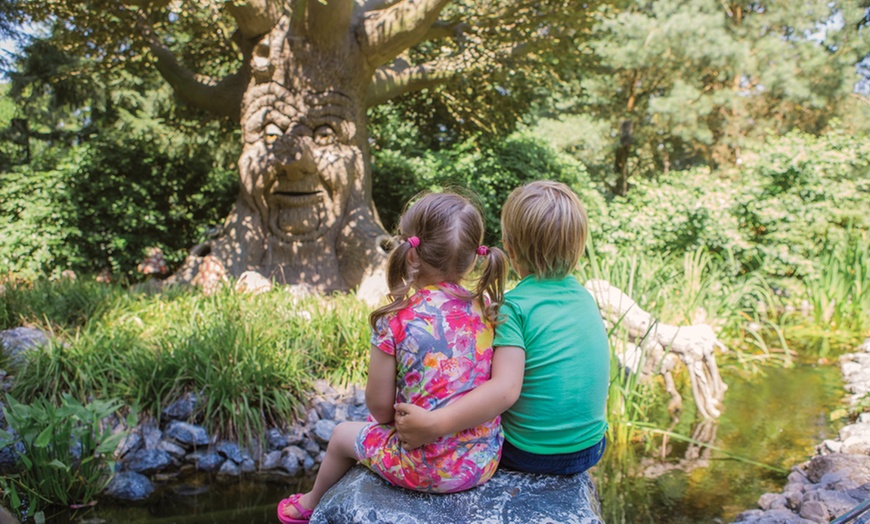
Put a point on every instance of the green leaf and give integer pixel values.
(44, 437)
(59, 465)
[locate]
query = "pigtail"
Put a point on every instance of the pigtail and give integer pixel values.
(401, 275)
(491, 282)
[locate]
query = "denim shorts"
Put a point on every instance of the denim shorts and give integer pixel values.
(559, 464)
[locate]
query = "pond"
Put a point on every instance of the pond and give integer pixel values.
(773, 418)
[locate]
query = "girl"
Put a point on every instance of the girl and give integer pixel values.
(428, 349)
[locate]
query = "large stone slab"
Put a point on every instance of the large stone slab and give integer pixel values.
(508, 498)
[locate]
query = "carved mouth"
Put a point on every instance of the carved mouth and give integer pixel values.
(297, 198)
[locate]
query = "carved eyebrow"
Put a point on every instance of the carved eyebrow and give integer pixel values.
(329, 103)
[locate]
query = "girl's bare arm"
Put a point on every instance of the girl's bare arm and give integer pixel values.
(381, 386)
(417, 426)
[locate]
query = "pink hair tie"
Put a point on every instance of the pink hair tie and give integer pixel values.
(482, 250)
(414, 241)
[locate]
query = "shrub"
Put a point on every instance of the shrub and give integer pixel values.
(65, 453)
(489, 169)
(106, 203)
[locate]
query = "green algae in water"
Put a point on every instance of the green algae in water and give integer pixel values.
(775, 418)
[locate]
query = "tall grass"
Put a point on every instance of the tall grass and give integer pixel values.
(251, 359)
(838, 298)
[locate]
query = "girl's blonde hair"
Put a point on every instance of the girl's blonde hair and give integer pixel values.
(544, 225)
(449, 229)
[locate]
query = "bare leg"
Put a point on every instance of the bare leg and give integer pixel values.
(340, 457)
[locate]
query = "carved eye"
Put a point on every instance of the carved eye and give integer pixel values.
(324, 136)
(272, 133)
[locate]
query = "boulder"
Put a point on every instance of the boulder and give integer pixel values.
(509, 497)
(15, 342)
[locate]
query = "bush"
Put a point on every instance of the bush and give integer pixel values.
(796, 193)
(107, 203)
(65, 453)
(491, 170)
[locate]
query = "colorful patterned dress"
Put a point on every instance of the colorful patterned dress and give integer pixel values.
(443, 350)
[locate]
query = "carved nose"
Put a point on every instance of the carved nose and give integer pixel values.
(294, 153)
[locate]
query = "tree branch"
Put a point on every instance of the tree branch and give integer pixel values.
(388, 32)
(255, 17)
(329, 22)
(400, 77)
(222, 97)
(376, 5)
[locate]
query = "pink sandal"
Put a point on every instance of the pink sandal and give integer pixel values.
(293, 500)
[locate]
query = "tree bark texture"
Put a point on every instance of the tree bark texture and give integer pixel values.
(305, 213)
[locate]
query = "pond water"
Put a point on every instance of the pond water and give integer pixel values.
(774, 418)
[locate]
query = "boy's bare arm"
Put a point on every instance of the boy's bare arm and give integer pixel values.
(381, 386)
(417, 426)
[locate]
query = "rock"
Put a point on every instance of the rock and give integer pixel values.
(130, 485)
(325, 409)
(183, 408)
(187, 434)
(172, 448)
(253, 282)
(815, 511)
(229, 469)
(294, 436)
(323, 430)
(358, 413)
(9, 457)
(148, 461)
(509, 497)
(248, 466)
(17, 341)
(230, 450)
(857, 467)
(751, 515)
(207, 461)
(151, 434)
(131, 443)
(271, 461)
(771, 501)
(835, 502)
(311, 447)
(275, 439)
(290, 464)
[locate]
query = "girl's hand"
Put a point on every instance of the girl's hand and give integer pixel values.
(416, 426)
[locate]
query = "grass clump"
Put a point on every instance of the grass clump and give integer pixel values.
(250, 359)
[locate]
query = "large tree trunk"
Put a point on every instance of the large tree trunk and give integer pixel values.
(305, 212)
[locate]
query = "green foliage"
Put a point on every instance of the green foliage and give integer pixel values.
(794, 193)
(251, 358)
(66, 453)
(64, 304)
(675, 83)
(107, 204)
(489, 169)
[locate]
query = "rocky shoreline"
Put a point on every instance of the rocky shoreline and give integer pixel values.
(833, 482)
(154, 454)
(837, 478)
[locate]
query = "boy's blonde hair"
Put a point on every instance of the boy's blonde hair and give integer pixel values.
(544, 225)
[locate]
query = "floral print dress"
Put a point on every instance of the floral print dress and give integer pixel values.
(443, 349)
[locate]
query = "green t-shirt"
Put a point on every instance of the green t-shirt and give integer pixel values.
(562, 405)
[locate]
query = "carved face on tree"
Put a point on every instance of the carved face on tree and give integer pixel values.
(299, 160)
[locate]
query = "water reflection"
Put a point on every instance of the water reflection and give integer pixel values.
(775, 418)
